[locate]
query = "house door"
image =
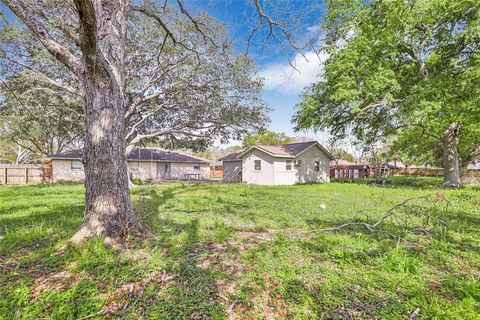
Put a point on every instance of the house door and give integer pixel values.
(163, 171)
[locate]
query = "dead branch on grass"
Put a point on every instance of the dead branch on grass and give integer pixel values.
(404, 214)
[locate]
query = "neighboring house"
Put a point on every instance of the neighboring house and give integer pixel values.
(143, 164)
(278, 164)
(343, 169)
(232, 167)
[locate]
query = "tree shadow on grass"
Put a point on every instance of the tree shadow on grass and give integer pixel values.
(27, 256)
(39, 230)
(193, 292)
(318, 299)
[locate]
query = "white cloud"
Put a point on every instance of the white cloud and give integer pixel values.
(284, 78)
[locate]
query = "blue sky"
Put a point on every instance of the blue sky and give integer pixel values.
(283, 84)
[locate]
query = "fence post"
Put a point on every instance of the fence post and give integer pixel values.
(5, 176)
(26, 175)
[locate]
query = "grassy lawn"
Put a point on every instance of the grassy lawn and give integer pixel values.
(245, 252)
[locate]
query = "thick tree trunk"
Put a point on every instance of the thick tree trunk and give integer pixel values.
(108, 210)
(451, 175)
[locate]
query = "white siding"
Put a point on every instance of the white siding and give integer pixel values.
(231, 170)
(274, 170)
(147, 170)
(263, 176)
(62, 171)
(179, 169)
(282, 176)
(306, 171)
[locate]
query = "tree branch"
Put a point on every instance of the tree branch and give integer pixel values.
(60, 52)
(43, 76)
(169, 33)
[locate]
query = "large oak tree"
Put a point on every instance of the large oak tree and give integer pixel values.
(89, 37)
(407, 68)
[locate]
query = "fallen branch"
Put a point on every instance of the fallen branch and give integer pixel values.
(414, 314)
(410, 212)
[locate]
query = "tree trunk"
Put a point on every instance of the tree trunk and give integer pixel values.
(451, 175)
(108, 210)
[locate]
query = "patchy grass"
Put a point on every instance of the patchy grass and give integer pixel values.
(243, 252)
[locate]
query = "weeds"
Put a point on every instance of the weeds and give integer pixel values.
(244, 252)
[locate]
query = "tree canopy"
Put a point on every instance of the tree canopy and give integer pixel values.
(175, 95)
(266, 137)
(406, 68)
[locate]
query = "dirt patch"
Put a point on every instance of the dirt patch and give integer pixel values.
(270, 234)
(54, 281)
(130, 292)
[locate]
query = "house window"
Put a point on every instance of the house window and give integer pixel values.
(196, 166)
(258, 164)
(288, 165)
(76, 165)
(317, 166)
(134, 165)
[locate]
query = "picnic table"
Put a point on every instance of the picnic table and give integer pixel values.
(192, 176)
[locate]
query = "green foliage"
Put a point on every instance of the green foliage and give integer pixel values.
(255, 245)
(186, 95)
(340, 153)
(38, 118)
(266, 137)
(404, 68)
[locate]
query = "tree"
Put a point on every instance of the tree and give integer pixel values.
(90, 41)
(266, 137)
(181, 98)
(341, 154)
(37, 118)
(13, 153)
(408, 150)
(398, 65)
(194, 95)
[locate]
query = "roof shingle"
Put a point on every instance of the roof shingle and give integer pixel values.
(280, 150)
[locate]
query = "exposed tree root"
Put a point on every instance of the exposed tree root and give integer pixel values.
(131, 230)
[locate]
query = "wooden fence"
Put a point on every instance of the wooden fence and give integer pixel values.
(24, 174)
(432, 172)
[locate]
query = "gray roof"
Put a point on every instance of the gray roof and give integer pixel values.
(290, 149)
(281, 150)
(231, 156)
(140, 154)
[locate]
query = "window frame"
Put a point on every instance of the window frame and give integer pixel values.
(316, 165)
(80, 167)
(196, 166)
(288, 165)
(135, 167)
(259, 162)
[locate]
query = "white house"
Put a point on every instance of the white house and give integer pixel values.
(278, 164)
(143, 164)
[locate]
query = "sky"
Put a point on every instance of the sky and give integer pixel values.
(282, 83)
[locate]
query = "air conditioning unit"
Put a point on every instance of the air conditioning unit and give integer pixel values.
(298, 162)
